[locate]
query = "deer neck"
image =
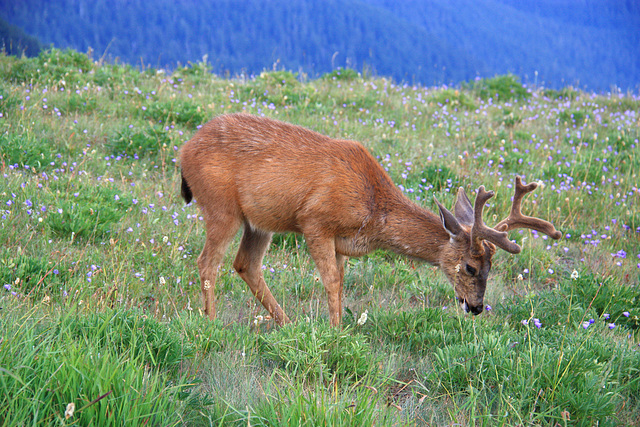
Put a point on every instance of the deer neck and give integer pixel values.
(413, 231)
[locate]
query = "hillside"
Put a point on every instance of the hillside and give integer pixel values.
(428, 42)
(100, 309)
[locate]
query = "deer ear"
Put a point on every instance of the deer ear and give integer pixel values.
(449, 222)
(463, 208)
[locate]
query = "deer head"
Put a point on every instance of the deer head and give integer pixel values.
(466, 260)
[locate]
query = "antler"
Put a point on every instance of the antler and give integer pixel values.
(517, 220)
(480, 231)
(498, 235)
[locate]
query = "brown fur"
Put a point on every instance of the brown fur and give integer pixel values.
(268, 176)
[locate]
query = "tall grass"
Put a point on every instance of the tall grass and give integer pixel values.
(100, 308)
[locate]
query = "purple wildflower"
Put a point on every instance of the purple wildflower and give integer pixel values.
(620, 254)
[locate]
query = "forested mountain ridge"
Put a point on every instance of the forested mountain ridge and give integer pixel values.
(15, 41)
(584, 43)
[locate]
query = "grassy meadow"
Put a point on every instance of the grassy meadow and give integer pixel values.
(100, 320)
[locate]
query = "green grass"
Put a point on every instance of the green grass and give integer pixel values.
(100, 304)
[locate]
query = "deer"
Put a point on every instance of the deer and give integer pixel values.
(269, 176)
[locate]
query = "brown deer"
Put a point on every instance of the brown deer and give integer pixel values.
(272, 177)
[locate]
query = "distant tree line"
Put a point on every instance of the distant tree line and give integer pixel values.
(593, 44)
(14, 41)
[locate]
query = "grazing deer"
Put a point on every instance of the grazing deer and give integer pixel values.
(269, 176)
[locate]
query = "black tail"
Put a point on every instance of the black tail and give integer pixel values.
(187, 195)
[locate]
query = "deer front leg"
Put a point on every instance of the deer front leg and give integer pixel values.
(248, 265)
(330, 265)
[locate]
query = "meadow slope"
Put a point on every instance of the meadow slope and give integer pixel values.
(100, 308)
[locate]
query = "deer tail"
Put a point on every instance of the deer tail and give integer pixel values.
(187, 195)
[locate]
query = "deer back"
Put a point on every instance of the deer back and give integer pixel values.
(281, 177)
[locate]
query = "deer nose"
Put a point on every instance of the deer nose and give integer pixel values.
(476, 310)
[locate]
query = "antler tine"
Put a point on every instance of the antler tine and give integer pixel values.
(517, 220)
(480, 231)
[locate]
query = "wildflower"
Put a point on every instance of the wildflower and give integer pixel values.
(537, 323)
(488, 308)
(525, 322)
(612, 325)
(7, 286)
(620, 254)
(575, 274)
(258, 319)
(606, 316)
(585, 325)
(363, 318)
(162, 280)
(625, 313)
(68, 413)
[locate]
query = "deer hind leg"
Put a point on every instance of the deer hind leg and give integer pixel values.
(341, 260)
(330, 265)
(219, 235)
(248, 265)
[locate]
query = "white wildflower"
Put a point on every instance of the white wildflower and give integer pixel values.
(575, 275)
(363, 318)
(68, 413)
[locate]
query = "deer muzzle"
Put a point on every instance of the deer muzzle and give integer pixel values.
(473, 309)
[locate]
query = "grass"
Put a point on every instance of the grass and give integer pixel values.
(100, 304)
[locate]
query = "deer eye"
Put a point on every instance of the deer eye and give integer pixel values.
(471, 270)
